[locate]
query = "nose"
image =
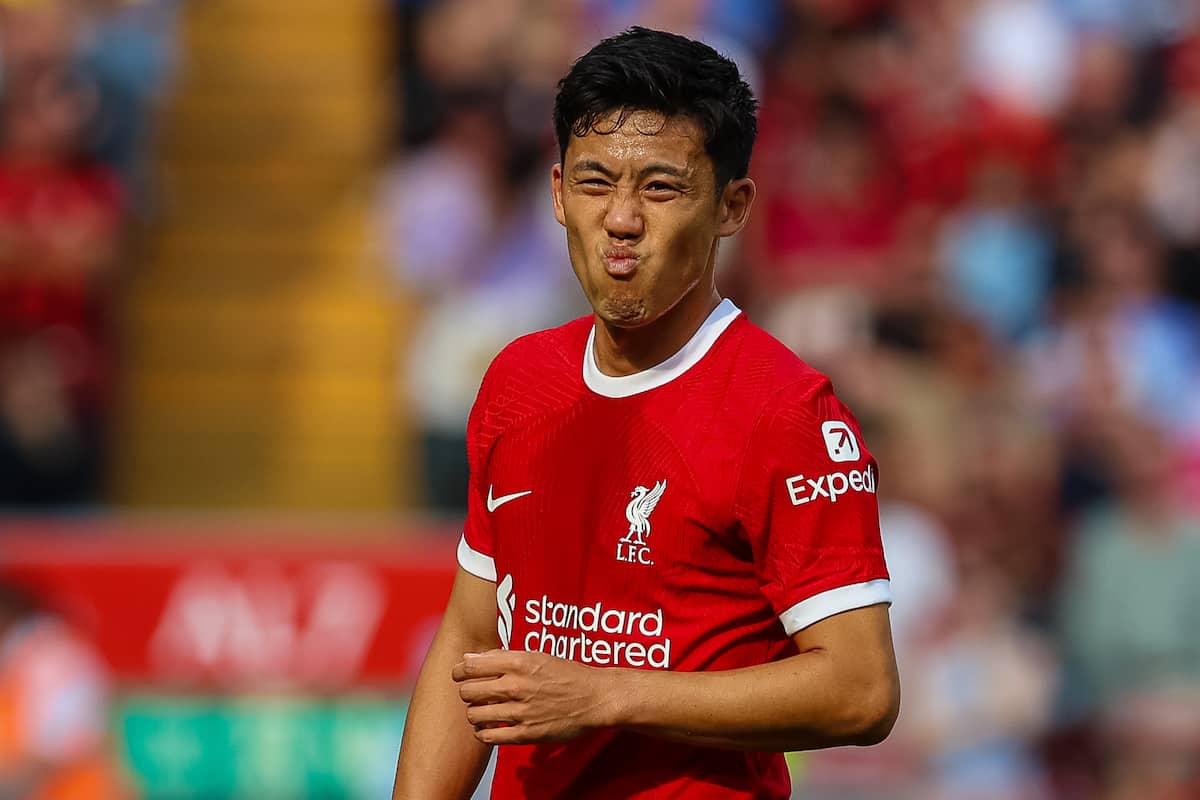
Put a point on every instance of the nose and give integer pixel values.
(623, 219)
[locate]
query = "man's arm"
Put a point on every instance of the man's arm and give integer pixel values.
(842, 688)
(440, 758)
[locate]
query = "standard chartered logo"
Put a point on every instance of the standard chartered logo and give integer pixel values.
(590, 634)
(595, 634)
(506, 603)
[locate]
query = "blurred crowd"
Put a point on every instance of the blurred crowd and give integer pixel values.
(982, 219)
(78, 82)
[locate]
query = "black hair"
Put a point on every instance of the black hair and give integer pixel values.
(648, 70)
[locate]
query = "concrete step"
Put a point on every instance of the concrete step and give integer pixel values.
(257, 334)
(240, 335)
(189, 467)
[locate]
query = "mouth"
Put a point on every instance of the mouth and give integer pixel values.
(620, 262)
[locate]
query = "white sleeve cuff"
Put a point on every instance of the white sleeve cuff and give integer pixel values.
(826, 604)
(475, 562)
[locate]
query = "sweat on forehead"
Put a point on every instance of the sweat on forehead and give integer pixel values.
(639, 121)
(636, 134)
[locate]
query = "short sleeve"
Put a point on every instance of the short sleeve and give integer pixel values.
(806, 502)
(476, 548)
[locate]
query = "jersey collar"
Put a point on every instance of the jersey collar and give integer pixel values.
(660, 374)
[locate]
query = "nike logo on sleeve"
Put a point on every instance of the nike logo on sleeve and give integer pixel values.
(494, 503)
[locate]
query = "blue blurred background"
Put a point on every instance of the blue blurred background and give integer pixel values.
(255, 256)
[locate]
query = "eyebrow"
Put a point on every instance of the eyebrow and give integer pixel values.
(590, 165)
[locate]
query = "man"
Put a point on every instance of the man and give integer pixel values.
(671, 568)
(53, 708)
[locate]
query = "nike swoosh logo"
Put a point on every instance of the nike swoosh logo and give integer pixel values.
(493, 504)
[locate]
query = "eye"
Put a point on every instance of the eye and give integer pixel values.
(593, 184)
(661, 188)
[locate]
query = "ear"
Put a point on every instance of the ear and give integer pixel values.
(735, 204)
(556, 191)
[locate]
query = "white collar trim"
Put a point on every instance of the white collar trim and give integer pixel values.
(660, 374)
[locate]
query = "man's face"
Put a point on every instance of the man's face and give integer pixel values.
(642, 216)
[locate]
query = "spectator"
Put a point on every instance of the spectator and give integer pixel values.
(1121, 337)
(53, 709)
(60, 224)
(829, 205)
(996, 255)
(128, 49)
(1131, 588)
(465, 224)
(980, 696)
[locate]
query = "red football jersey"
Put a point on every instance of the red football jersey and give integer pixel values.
(692, 516)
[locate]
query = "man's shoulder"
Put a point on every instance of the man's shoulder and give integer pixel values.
(540, 363)
(553, 350)
(770, 374)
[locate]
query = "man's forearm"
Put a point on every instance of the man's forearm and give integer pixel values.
(440, 758)
(795, 704)
(842, 688)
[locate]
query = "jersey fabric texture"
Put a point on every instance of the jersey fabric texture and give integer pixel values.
(689, 517)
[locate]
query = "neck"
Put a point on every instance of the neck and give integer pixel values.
(624, 351)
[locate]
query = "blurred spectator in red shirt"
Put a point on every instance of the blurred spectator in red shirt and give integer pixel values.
(831, 203)
(60, 216)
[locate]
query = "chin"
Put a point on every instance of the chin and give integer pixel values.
(624, 312)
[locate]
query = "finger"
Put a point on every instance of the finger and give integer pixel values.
(508, 734)
(490, 663)
(472, 669)
(489, 690)
(484, 716)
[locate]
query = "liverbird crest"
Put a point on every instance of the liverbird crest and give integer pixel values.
(639, 509)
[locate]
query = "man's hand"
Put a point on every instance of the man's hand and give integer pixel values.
(518, 697)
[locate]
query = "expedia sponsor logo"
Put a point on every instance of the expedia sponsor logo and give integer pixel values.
(840, 441)
(802, 489)
(595, 634)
